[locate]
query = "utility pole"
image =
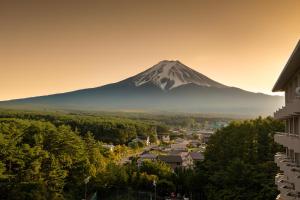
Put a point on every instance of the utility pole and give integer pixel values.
(86, 182)
(154, 184)
(85, 192)
(155, 192)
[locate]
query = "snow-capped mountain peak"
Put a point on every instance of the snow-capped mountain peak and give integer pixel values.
(168, 75)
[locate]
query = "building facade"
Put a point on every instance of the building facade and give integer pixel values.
(288, 181)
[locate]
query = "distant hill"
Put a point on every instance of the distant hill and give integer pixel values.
(167, 86)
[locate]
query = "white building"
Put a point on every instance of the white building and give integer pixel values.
(288, 181)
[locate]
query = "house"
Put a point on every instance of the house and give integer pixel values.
(288, 180)
(195, 143)
(146, 156)
(174, 161)
(196, 156)
(204, 135)
(179, 140)
(179, 146)
(179, 160)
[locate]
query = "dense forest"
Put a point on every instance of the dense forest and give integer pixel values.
(45, 156)
(108, 129)
(166, 119)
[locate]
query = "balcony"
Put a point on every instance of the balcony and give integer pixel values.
(279, 177)
(291, 141)
(284, 163)
(281, 160)
(291, 195)
(287, 192)
(295, 177)
(279, 197)
(291, 176)
(284, 183)
(292, 108)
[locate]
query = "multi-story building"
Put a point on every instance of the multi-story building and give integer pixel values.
(288, 181)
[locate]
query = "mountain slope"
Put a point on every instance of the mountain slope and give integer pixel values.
(167, 86)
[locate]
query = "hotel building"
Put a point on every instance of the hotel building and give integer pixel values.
(288, 181)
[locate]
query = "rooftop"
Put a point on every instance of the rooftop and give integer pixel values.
(289, 70)
(148, 156)
(196, 156)
(170, 158)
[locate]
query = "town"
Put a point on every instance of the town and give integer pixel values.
(182, 150)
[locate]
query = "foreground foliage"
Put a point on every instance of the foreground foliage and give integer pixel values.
(239, 161)
(41, 161)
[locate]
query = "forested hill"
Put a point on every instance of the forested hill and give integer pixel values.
(106, 129)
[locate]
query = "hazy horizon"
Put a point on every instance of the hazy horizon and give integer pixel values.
(54, 47)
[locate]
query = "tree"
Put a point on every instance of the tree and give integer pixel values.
(158, 168)
(165, 187)
(239, 161)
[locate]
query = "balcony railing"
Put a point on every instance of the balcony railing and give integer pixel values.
(279, 177)
(292, 141)
(279, 197)
(282, 160)
(291, 171)
(292, 195)
(292, 108)
(283, 183)
(287, 193)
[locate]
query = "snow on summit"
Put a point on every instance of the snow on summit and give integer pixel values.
(168, 75)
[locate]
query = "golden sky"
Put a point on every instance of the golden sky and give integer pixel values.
(56, 46)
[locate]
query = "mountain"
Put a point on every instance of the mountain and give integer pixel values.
(167, 86)
(168, 75)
